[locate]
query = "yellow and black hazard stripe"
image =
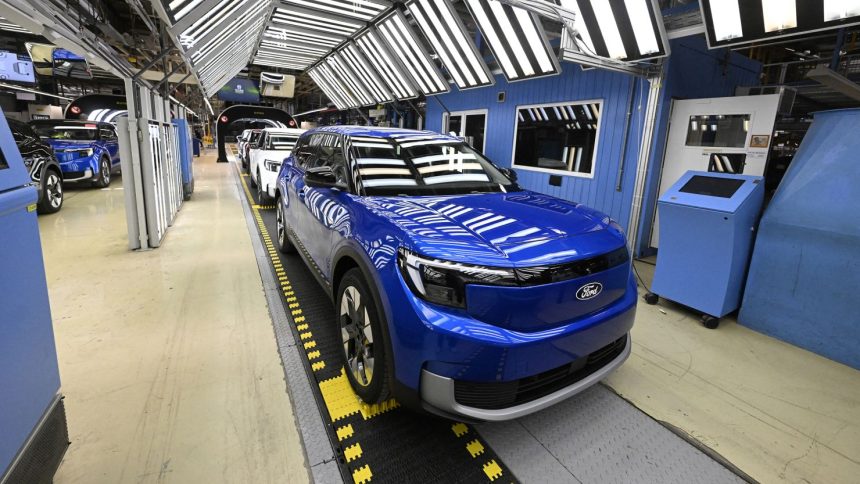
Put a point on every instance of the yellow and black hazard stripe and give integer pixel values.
(381, 442)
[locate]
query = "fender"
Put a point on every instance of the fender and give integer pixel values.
(352, 250)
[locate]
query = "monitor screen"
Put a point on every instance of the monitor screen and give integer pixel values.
(17, 68)
(712, 186)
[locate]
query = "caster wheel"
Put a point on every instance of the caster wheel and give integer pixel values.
(651, 298)
(710, 322)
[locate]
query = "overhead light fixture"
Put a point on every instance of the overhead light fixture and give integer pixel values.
(840, 9)
(350, 80)
(352, 56)
(624, 30)
(779, 15)
(609, 29)
(401, 39)
(443, 29)
(387, 65)
(516, 38)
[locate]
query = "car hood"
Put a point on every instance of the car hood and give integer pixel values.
(69, 145)
(499, 229)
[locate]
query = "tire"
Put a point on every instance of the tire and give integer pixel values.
(362, 341)
(103, 181)
(282, 239)
(52, 192)
(263, 198)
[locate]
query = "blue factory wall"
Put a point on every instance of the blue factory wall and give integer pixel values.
(693, 71)
(573, 84)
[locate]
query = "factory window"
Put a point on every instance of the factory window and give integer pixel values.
(718, 130)
(558, 138)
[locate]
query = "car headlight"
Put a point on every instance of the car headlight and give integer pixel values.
(444, 282)
(272, 165)
(615, 225)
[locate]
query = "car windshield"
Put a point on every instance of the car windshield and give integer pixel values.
(84, 132)
(430, 166)
(254, 137)
(282, 142)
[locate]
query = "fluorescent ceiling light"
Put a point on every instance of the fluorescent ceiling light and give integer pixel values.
(400, 38)
(726, 16)
(779, 15)
(390, 71)
(443, 28)
(516, 38)
(840, 9)
(643, 30)
(352, 56)
(609, 29)
(350, 80)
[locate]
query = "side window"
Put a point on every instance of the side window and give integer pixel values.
(107, 133)
(306, 153)
(331, 155)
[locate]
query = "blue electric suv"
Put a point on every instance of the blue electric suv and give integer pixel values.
(88, 151)
(455, 290)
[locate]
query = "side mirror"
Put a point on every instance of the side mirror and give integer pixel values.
(322, 177)
(510, 173)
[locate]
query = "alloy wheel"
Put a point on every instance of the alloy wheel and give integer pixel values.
(54, 190)
(105, 172)
(282, 230)
(357, 336)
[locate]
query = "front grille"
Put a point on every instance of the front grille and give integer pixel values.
(531, 276)
(498, 395)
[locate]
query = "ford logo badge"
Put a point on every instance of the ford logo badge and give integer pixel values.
(589, 291)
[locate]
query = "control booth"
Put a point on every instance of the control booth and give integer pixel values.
(707, 229)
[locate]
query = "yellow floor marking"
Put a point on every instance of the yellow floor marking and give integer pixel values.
(344, 432)
(352, 452)
(299, 319)
(342, 401)
(475, 448)
(296, 312)
(362, 475)
(291, 298)
(318, 365)
(492, 470)
(310, 344)
(302, 327)
(460, 429)
(306, 335)
(313, 354)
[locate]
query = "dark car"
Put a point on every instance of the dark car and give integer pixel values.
(87, 150)
(40, 161)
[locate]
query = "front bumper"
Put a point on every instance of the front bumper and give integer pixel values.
(79, 169)
(440, 394)
(435, 347)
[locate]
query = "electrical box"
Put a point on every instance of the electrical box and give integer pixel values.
(707, 229)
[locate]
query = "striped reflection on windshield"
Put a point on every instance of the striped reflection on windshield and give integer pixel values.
(384, 172)
(450, 166)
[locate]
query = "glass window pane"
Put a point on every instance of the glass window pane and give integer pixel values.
(718, 130)
(558, 137)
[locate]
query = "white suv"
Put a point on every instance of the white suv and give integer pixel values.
(273, 147)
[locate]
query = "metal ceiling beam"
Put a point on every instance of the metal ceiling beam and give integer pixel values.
(839, 83)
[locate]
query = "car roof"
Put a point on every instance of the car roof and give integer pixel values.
(284, 131)
(388, 133)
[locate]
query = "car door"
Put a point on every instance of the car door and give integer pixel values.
(111, 142)
(296, 213)
(255, 156)
(325, 206)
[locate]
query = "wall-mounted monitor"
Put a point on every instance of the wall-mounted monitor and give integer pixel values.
(16, 68)
(737, 22)
(240, 90)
